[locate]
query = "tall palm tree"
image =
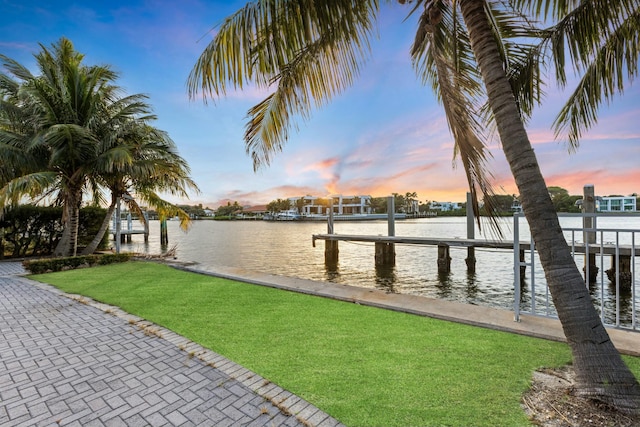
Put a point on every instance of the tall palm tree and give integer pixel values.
(63, 103)
(309, 51)
(155, 166)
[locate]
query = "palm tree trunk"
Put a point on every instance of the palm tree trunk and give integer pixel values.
(74, 222)
(91, 247)
(600, 371)
(62, 248)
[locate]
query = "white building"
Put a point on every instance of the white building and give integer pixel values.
(616, 204)
(445, 206)
(342, 205)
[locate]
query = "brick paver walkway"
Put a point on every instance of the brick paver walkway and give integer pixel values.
(74, 362)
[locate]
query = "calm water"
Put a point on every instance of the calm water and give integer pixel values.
(285, 248)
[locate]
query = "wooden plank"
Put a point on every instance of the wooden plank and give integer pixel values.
(466, 243)
(431, 241)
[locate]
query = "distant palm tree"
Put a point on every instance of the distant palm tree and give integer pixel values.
(308, 51)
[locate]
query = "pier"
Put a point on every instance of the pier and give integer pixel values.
(621, 269)
(120, 234)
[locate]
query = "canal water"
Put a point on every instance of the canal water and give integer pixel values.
(285, 248)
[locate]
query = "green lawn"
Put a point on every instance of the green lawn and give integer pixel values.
(364, 366)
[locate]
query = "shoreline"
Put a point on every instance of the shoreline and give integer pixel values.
(626, 341)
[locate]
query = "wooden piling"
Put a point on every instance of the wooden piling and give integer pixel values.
(385, 254)
(331, 252)
(471, 232)
(385, 251)
(593, 268)
(471, 259)
(146, 227)
(164, 234)
(623, 270)
(444, 260)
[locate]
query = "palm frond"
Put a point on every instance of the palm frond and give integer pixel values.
(165, 209)
(309, 51)
(30, 185)
(613, 65)
(441, 57)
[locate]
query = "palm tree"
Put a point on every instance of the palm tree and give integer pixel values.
(68, 132)
(309, 51)
(62, 104)
(155, 166)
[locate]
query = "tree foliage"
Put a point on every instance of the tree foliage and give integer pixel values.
(69, 132)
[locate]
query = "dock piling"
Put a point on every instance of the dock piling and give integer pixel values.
(444, 259)
(471, 231)
(385, 254)
(164, 234)
(589, 237)
(330, 246)
(386, 251)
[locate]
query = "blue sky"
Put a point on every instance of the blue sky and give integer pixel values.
(385, 134)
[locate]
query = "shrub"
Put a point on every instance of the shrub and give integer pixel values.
(29, 230)
(49, 265)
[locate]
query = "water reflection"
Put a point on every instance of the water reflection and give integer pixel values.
(472, 286)
(445, 284)
(386, 278)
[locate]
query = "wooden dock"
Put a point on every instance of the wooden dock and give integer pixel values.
(429, 241)
(620, 254)
(385, 250)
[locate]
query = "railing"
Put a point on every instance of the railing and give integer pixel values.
(600, 240)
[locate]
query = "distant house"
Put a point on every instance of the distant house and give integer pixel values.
(342, 205)
(257, 211)
(445, 206)
(616, 204)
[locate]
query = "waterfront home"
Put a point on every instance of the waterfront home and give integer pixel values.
(310, 206)
(445, 206)
(616, 204)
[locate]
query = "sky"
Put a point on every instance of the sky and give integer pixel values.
(385, 134)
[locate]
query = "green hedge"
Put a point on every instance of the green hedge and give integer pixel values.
(29, 230)
(39, 266)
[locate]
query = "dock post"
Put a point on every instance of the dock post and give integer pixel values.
(118, 225)
(331, 252)
(164, 234)
(471, 250)
(129, 227)
(444, 260)
(146, 227)
(589, 237)
(621, 269)
(386, 252)
(331, 246)
(391, 216)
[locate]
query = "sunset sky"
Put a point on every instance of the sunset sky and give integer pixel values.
(385, 134)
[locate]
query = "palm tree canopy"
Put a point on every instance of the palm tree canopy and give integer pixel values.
(70, 131)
